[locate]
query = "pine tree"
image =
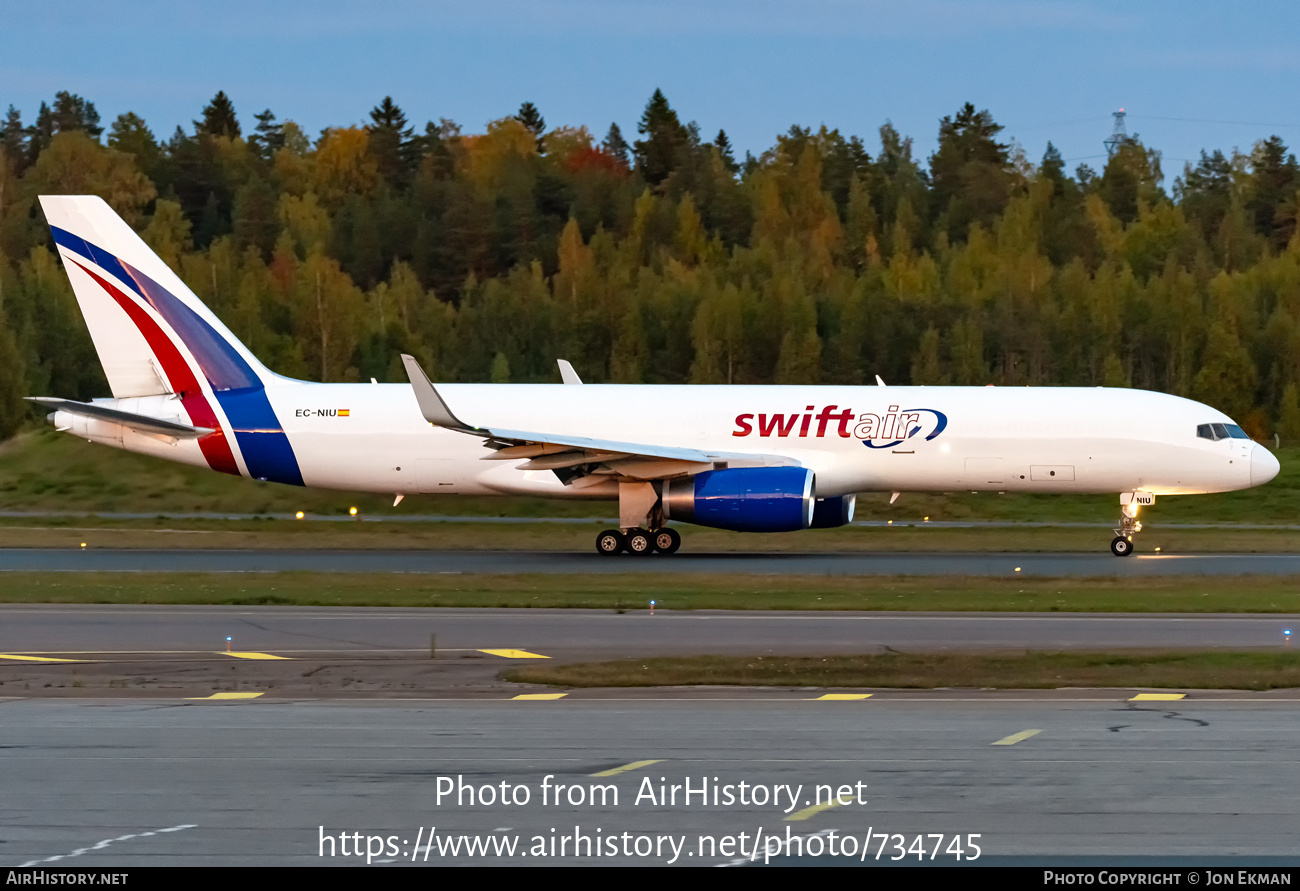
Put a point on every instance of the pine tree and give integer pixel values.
(218, 118)
(13, 141)
(970, 171)
(390, 141)
(723, 145)
(657, 154)
(268, 135)
(1273, 181)
(40, 133)
(71, 112)
(130, 134)
(532, 119)
(615, 145)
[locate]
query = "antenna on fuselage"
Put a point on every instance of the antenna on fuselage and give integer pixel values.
(567, 374)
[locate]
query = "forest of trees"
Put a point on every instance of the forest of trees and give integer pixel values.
(661, 257)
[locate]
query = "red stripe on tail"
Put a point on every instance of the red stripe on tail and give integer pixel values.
(215, 446)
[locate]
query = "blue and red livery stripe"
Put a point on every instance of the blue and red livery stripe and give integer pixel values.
(267, 452)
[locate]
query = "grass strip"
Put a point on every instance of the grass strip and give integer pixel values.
(1219, 670)
(197, 534)
(1203, 594)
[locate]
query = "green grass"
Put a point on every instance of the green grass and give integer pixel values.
(44, 471)
(165, 533)
(679, 592)
(1170, 669)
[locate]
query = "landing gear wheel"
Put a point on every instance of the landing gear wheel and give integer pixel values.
(610, 542)
(639, 542)
(667, 541)
(1121, 546)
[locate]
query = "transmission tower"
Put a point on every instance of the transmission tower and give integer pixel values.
(1118, 137)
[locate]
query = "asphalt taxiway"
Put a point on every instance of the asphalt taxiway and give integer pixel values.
(1051, 780)
(864, 564)
(572, 634)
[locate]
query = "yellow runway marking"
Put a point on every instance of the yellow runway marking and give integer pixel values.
(635, 765)
(239, 655)
(227, 696)
(1158, 697)
(541, 696)
(809, 812)
(36, 658)
(1016, 737)
(841, 697)
(514, 654)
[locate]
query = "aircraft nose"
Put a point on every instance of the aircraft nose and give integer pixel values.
(1263, 466)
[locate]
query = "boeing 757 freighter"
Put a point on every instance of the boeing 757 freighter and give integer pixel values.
(746, 458)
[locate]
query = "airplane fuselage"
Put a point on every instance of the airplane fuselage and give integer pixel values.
(373, 438)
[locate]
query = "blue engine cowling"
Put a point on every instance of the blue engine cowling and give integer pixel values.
(744, 499)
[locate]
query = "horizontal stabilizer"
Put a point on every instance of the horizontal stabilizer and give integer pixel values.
(141, 423)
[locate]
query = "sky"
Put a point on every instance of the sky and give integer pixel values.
(1190, 75)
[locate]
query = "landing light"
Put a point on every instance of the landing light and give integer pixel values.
(352, 511)
(298, 515)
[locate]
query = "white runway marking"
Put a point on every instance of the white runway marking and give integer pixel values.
(99, 846)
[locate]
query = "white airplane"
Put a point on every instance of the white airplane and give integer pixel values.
(746, 458)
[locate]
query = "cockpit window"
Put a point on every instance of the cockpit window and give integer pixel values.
(1215, 432)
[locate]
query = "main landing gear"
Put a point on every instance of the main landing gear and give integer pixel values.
(1122, 545)
(638, 541)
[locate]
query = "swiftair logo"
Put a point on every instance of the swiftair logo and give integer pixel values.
(875, 431)
(896, 427)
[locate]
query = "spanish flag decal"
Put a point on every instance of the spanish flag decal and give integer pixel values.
(345, 412)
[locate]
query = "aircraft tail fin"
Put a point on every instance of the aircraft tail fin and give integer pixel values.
(154, 337)
(152, 334)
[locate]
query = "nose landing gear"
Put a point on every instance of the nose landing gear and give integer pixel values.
(1122, 545)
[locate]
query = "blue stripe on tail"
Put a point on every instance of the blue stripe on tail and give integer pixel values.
(266, 450)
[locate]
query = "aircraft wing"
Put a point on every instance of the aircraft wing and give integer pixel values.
(562, 451)
(141, 423)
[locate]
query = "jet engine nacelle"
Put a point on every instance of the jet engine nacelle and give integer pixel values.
(832, 512)
(744, 499)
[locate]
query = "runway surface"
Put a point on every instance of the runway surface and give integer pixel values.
(171, 783)
(865, 564)
(571, 634)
